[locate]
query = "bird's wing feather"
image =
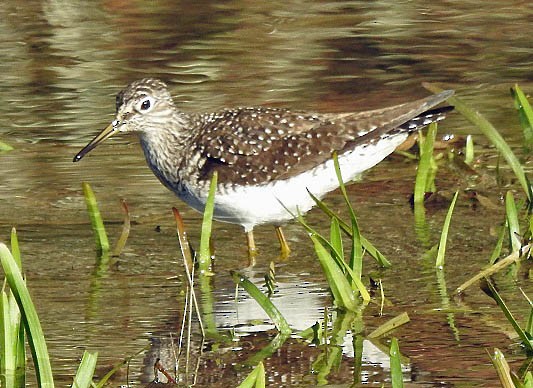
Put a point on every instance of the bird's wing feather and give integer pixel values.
(251, 145)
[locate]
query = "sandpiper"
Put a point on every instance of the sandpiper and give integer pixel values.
(266, 158)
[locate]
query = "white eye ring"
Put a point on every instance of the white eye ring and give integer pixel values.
(145, 104)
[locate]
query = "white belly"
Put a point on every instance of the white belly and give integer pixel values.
(262, 204)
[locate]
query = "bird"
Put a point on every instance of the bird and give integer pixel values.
(267, 159)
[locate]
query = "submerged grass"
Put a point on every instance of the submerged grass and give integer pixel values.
(256, 378)
(396, 364)
(469, 150)
(344, 278)
(390, 325)
(343, 268)
(5, 147)
(12, 335)
(97, 223)
(102, 242)
(204, 259)
(513, 225)
(439, 263)
(263, 301)
(347, 229)
(84, 376)
(525, 115)
(508, 379)
(121, 242)
(30, 318)
(19, 321)
(493, 135)
(502, 368)
(514, 257)
(526, 337)
(425, 175)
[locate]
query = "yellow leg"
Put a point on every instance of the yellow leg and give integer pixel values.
(284, 246)
(252, 250)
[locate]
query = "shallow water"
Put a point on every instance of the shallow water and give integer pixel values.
(63, 63)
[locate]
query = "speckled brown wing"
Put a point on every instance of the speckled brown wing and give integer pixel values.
(258, 145)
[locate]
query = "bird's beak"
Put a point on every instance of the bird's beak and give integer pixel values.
(106, 133)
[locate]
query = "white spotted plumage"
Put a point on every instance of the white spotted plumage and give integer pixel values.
(267, 159)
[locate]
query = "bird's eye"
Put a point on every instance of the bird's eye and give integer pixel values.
(146, 104)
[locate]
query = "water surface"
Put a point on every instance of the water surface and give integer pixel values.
(62, 64)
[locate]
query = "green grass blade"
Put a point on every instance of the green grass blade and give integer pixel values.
(85, 373)
(5, 146)
(502, 368)
(335, 259)
(492, 134)
(356, 259)
(525, 114)
(17, 338)
(12, 346)
(126, 226)
(356, 254)
(499, 243)
(530, 234)
(256, 378)
(313, 334)
(102, 241)
(514, 257)
(15, 249)
(529, 325)
(20, 374)
(204, 260)
(439, 263)
(339, 284)
(423, 174)
(335, 237)
(390, 325)
(395, 364)
(7, 357)
(266, 304)
(528, 344)
(528, 380)
(102, 383)
(469, 150)
(512, 221)
(367, 245)
(36, 339)
(268, 350)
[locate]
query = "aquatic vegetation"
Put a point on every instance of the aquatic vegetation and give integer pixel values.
(97, 223)
(19, 322)
(396, 364)
(439, 262)
(525, 335)
(493, 135)
(256, 378)
(102, 242)
(204, 259)
(525, 115)
(469, 150)
(5, 147)
(266, 304)
(84, 375)
(509, 379)
(13, 338)
(340, 251)
(427, 167)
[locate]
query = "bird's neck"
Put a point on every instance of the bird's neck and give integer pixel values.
(165, 146)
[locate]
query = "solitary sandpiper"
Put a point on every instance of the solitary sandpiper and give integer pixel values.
(267, 159)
